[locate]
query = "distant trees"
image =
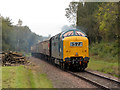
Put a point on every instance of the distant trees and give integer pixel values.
(17, 38)
(0, 33)
(6, 33)
(98, 19)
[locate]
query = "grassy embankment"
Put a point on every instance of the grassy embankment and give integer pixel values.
(22, 77)
(104, 58)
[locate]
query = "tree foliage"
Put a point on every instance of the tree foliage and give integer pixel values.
(107, 16)
(98, 19)
(71, 12)
(17, 38)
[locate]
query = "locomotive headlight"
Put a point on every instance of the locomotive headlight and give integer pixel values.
(86, 59)
(67, 59)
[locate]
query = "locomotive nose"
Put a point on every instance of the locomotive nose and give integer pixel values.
(75, 46)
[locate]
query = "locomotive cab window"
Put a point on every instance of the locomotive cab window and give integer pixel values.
(78, 33)
(70, 33)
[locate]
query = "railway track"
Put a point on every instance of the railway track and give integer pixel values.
(112, 80)
(97, 80)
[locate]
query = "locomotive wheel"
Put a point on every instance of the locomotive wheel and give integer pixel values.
(82, 69)
(61, 65)
(64, 66)
(72, 68)
(76, 69)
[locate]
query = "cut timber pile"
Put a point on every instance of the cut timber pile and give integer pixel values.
(12, 58)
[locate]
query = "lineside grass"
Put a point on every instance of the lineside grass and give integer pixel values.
(21, 77)
(102, 66)
(104, 58)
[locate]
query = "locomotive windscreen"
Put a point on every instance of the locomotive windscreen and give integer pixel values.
(73, 32)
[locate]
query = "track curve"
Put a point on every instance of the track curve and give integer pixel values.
(97, 80)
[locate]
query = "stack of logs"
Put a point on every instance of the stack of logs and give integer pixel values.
(13, 58)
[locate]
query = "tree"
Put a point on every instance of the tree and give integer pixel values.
(71, 12)
(107, 16)
(86, 20)
(99, 20)
(17, 38)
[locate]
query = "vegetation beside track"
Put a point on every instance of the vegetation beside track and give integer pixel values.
(24, 77)
(25, 53)
(104, 57)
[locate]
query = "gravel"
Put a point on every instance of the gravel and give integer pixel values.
(60, 78)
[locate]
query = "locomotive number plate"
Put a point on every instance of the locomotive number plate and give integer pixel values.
(76, 44)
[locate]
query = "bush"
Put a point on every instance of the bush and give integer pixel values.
(105, 51)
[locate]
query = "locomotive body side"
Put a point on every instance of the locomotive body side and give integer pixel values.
(55, 53)
(55, 47)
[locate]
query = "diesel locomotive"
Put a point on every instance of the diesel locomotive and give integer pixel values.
(68, 49)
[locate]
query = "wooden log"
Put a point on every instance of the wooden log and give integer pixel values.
(13, 58)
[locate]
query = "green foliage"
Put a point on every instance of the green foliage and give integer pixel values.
(100, 20)
(104, 57)
(105, 51)
(106, 16)
(85, 18)
(17, 38)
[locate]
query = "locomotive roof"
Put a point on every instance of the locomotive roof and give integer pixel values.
(73, 30)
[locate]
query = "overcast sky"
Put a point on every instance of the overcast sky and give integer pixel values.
(43, 17)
